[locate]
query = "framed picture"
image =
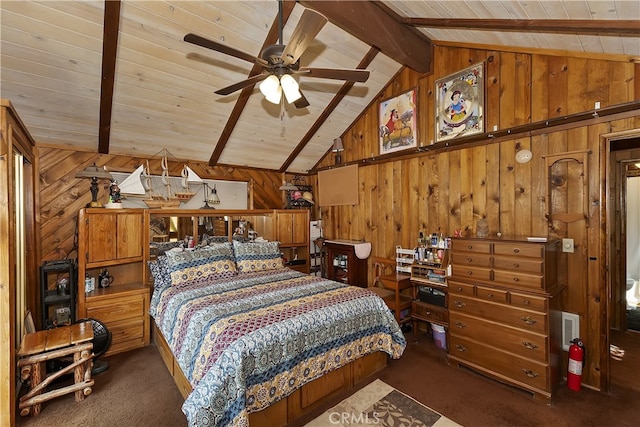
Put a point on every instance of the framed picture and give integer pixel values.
(460, 103)
(397, 117)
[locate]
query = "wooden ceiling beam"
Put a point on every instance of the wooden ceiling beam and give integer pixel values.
(344, 90)
(627, 28)
(376, 25)
(110, 34)
(241, 102)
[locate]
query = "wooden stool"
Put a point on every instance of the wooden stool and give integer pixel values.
(39, 347)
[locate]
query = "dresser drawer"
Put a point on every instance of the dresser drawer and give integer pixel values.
(518, 280)
(464, 245)
(519, 369)
(514, 340)
(492, 294)
(126, 335)
(470, 258)
(528, 301)
(519, 249)
(467, 272)
(429, 313)
(109, 310)
(524, 319)
(517, 264)
(459, 288)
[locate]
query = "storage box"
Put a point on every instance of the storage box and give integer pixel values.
(431, 296)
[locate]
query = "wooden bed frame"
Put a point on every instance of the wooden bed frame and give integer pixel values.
(312, 396)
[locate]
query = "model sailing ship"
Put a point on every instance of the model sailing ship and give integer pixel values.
(139, 184)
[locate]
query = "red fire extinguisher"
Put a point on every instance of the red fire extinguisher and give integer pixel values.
(576, 361)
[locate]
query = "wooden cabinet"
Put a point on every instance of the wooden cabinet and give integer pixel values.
(344, 265)
(503, 311)
(429, 280)
(293, 234)
(115, 240)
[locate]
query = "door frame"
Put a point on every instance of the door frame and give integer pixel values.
(607, 211)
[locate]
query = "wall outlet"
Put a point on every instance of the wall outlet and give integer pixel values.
(567, 245)
(597, 105)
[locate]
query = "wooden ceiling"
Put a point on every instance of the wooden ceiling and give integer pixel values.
(116, 77)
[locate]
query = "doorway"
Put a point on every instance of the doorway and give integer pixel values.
(623, 225)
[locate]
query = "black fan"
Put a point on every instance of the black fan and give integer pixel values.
(281, 60)
(101, 343)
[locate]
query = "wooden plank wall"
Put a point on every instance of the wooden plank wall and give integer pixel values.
(445, 191)
(62, 194)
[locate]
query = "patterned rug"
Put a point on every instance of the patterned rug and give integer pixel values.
(379, 404)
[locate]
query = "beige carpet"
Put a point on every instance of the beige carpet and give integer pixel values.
(381, 405)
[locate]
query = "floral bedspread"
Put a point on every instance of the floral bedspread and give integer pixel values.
(247, 342)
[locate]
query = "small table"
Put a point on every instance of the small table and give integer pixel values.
(39, 347)
(396, 301)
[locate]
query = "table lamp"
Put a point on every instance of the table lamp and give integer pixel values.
(95, 173)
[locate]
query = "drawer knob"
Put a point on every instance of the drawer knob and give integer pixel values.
(489, 295)
(516, 265)
(528, 320)
(460, 325)
(461, 348)
(516, 250)
(469, 247)
(469, 273)
(459, 289)
(527, 302)
(459, 304)
(515, 279)
(530, 373)
(529, 345)
(427, 312)
(469, 259)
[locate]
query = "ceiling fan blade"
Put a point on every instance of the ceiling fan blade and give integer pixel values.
(302, 102)
(308, 27)
(219, 47)
(336, 74)
(241, 85)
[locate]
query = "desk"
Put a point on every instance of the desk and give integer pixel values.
(396, 301)
(39, 347)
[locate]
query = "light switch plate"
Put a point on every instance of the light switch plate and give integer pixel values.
(567, 245)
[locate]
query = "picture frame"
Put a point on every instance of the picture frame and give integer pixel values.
(459, 104)
(397, 118)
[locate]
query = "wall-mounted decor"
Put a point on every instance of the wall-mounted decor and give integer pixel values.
(397, 117)
(460, 103)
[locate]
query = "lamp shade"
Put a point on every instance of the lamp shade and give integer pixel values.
(290, 88)
(287, 186)
(270, 88)
(94, 171)
(214, 199)
(337, 145)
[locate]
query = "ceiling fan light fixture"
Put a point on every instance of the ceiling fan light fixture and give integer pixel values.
(290, 88)
(270, 88)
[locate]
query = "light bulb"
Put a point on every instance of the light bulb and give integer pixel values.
(290, 88)
(270, 88)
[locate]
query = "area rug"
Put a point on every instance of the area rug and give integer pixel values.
(378, 404)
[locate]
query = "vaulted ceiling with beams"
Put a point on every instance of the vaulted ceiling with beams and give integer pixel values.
(117, 76)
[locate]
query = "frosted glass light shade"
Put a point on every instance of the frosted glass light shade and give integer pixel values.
(290, 88)
(270, 88)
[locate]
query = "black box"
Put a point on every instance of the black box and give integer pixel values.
(431, 296)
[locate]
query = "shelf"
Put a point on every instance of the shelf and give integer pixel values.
(119, 289)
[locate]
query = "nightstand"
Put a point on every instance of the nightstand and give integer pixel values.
(399, 303)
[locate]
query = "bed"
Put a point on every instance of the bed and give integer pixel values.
(240, 333)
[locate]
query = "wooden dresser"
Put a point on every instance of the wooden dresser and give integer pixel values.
(503, 311)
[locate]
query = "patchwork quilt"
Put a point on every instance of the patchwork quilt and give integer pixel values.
(248, 341)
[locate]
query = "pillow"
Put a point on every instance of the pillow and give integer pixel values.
(160, 272)
(257, 256)
(205, 263)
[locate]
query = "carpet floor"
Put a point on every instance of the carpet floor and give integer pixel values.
(137, 390)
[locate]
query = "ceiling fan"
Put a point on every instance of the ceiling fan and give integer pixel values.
(280, 62)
